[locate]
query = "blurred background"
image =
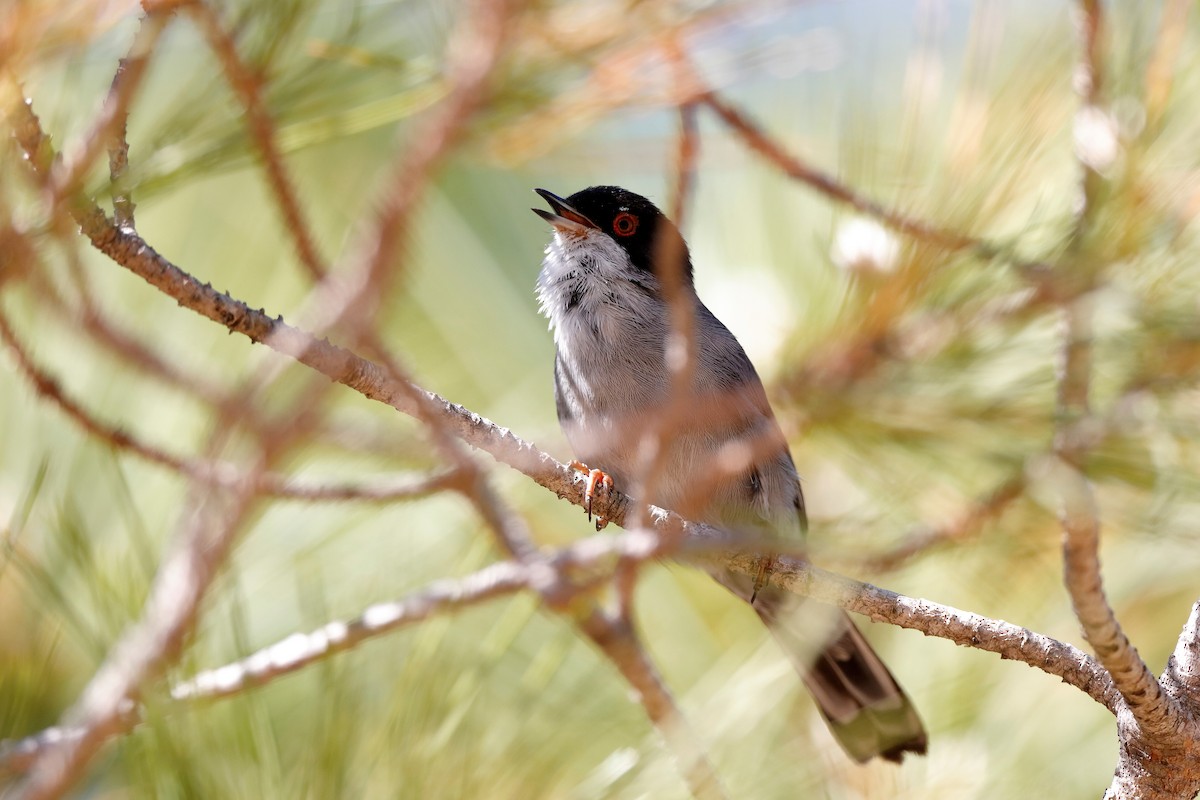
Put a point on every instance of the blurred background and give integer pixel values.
(916, 385)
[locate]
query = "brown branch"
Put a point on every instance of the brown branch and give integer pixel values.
(680, 347)
(108, 127)
(249, 87)
(1155, 712)
(1089, 80)
(121, 343)
(472, 54)
(1010, 642)
(128, 347)
(615, 637)
(965, 526)
(757, 140)
(1095, 133)
(1160, 72)
(18, 256)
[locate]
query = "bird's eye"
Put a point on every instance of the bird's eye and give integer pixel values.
(625, 224)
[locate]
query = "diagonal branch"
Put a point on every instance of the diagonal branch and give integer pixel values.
(615, 637)
(757, 140)
(1160, 71)
(108, 127)
(1095, 134)
(965, 526)
(302, 649)
(248, 88)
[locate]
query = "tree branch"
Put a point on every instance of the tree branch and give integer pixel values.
(108, 127)
(757, 140)
(248, 88)
(964, 526)
(616, 638)
(1010, 642)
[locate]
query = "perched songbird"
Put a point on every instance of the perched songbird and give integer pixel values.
(602, 287)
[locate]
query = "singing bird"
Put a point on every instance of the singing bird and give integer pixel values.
(602, 287)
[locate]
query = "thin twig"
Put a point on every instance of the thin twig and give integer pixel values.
(1094, 133)
(679, 349)
(615, 637)
(966, 525)
(108, 127)
(248, 87)
(302, 649)
(472, 54)
(757, 140)
(1160, 72)
(127, 346)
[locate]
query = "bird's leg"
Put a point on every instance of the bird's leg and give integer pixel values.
(765, 565)
(596, 480)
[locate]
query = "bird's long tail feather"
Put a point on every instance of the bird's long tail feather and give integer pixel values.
(867, 711)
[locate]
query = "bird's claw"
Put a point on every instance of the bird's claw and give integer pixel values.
(765, 565)
(596, 479)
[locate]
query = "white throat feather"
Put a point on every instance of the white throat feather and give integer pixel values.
(589, 289)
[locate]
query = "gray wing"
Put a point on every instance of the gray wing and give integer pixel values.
(562, 392)
(771, 487)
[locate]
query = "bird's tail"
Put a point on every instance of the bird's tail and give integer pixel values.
(866, 709)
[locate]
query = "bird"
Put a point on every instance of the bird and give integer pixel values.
(604, 284)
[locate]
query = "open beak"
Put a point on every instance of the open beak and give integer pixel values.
(564, 218)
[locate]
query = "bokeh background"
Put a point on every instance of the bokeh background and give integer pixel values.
(912, 382)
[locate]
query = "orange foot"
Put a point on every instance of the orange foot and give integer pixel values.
(765, 565)
(596, 479)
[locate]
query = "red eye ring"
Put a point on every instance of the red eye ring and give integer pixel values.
(625, 224)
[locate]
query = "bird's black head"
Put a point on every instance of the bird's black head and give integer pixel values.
(631, 220)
